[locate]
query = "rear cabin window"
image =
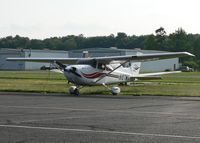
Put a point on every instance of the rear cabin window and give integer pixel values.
(126, 65)
(101, 66)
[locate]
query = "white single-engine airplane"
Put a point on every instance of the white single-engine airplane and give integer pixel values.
(105, 70)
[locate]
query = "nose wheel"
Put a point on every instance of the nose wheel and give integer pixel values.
(73, 90)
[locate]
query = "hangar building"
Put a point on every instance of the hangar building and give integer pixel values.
(24, 53)
(151, 66)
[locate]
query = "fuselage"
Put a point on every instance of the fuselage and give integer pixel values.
(89, 75)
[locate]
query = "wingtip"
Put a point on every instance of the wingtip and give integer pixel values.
(8, 59)
(189, 54)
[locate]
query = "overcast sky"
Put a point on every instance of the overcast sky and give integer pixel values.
(47, 18)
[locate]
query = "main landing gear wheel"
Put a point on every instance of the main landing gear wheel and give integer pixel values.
(74, 90)
(115, 90)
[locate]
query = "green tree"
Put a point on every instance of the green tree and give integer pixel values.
(36, 44)
(150, 43)
(70, 44)
(160, 39)
(179, 41)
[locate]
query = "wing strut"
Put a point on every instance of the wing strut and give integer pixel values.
(104, 75)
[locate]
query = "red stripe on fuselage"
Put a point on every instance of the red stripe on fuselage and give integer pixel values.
(93, 75)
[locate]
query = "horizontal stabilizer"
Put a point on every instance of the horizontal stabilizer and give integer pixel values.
(158, 73)
(151, 76)
(145, 78)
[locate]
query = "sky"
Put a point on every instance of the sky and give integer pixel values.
(41, 19)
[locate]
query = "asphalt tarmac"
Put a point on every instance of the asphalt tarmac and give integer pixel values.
(38, 118)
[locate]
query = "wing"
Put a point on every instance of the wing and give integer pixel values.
(144, 57)
(47, 60)
(107, 60)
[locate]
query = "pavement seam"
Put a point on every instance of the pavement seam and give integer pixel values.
(102, 131)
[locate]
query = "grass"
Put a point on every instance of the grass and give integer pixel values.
(182, 84)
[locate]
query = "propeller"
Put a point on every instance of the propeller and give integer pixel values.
(63, 67)
(69, 69)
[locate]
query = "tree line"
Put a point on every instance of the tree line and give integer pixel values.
(174, 42)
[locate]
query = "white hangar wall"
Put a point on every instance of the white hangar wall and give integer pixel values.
(158, 65)
(25, 53)
(6, 65)
(43, 54)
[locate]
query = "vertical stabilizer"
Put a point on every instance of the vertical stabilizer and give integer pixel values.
(135, 68)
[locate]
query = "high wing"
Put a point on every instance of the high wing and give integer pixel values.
(144, 57)
(47, 60)
(107, 60)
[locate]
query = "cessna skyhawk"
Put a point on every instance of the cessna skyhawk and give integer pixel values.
(105, 70)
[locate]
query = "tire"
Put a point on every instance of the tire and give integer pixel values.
(76, 92)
